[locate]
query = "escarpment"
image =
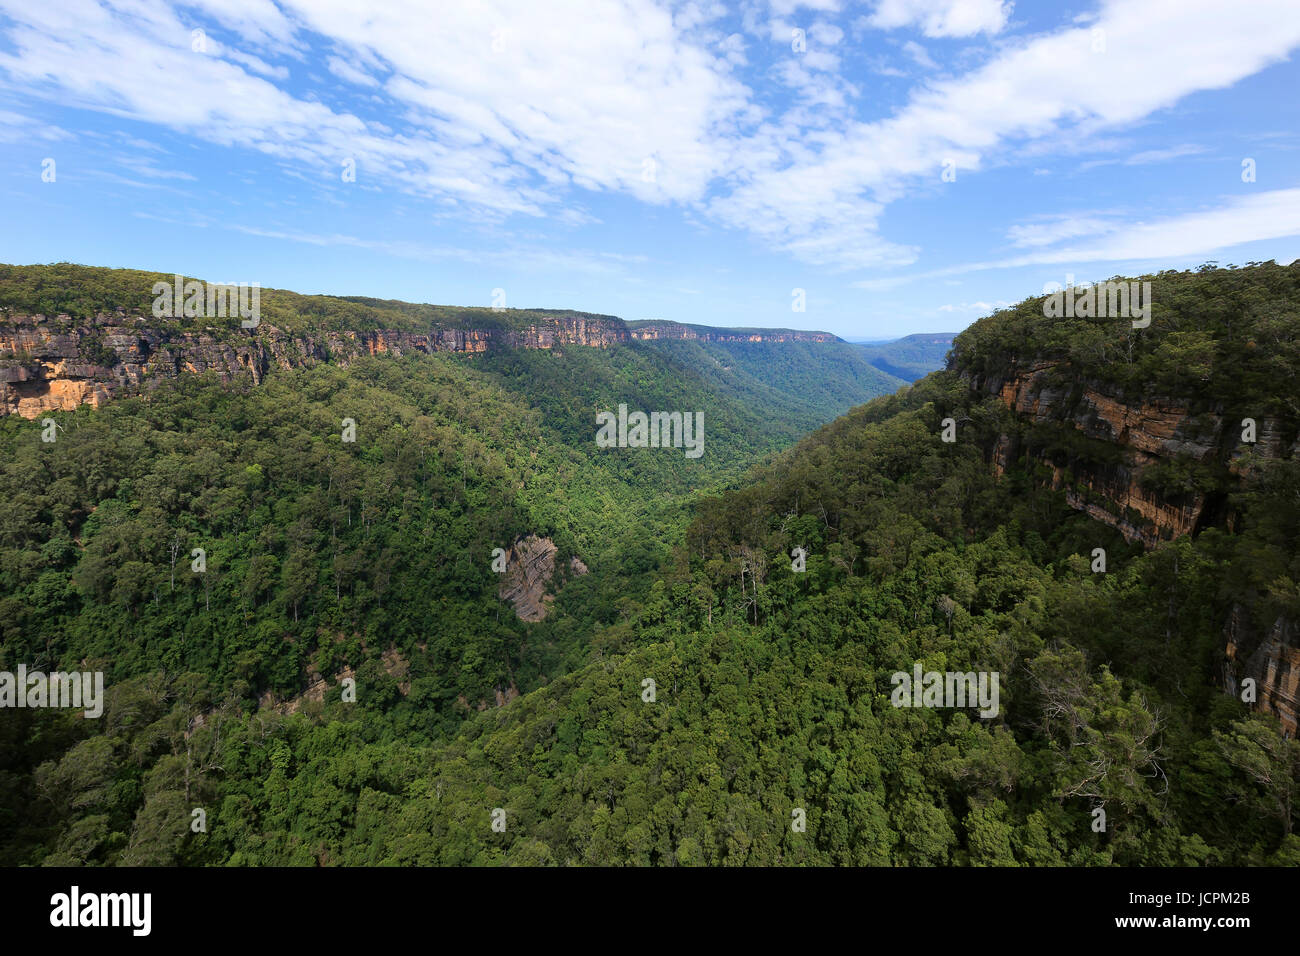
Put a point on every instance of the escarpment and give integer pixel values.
(1154, 470)
(1150, 466)
(50, 363)
(1160, 431)
(1271, 659)
(648, 331)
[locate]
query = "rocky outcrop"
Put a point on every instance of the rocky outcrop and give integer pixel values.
(1118, 489)
(317, 687)
(57, 363)
(392, 660)
(647, 331)
(1271, 659)
(1111, 481)
(530, 570)
(499, 696)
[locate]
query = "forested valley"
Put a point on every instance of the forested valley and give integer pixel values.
(692, 690)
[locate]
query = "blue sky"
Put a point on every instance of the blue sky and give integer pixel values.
(909, 164)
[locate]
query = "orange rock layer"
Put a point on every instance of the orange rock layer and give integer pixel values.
(1146, 434)
(59, 363)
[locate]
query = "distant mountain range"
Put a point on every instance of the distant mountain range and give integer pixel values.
(912, 356)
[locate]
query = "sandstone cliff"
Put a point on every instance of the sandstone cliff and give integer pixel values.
(1142, 439)
(58, 363)
(1272, 660)
(1125, 443)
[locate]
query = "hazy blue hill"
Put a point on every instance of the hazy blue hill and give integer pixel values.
(805, 384)
(910, 357)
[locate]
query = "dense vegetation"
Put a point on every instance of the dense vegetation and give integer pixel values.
(771, 687)
(911, 357)
(1222, 338)
(84, 291)
(323, 555)
(796, 384)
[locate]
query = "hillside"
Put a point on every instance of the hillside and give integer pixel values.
(327, 557)
(72, 335)
(800, 382)
(694, 717)
(912, 356)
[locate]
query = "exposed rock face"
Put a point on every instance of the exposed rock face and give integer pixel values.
(501, 697)
(59, 363)
(1273, 660)
(394, 664)
(317, 686)
(676, 330)
(1145, 433)
(530, 568)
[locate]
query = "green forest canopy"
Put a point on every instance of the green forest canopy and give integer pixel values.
(771, 687)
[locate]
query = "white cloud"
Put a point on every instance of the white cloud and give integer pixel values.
(825, 34)
(17, 128)
(349, 72)
(784, 8)
(919, 55)
(1264, 215)
(258, 22)
(1161, 155)
(146, 166)
(505, 105)
(879, 66)
(974, 306)
(578, 92)
(943, 18)
(516, 108)
(1057, 229)
(1147, 157)
(1240, 220)
(732, 49)
(821, 199)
